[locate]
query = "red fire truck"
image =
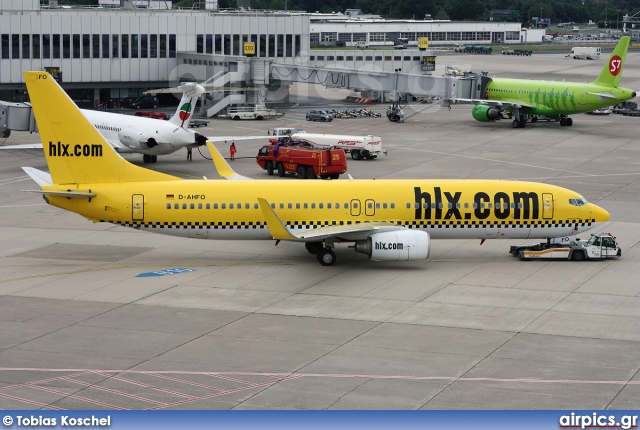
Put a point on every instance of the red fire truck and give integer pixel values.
(302, 160)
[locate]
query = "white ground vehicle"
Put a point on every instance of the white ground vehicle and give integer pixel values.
(284, 132)
(599, 247)
(359, 146)
(361, 44)
(258, 112)
(585, 53)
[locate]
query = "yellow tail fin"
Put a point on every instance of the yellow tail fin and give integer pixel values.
(76, 152)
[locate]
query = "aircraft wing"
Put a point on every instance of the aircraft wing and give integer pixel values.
(344, 233)
(236, 138)
(503, 104)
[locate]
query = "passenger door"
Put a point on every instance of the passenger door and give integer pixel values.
(547, 205)
(137, 207)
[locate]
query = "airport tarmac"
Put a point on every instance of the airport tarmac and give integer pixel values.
(251, 325)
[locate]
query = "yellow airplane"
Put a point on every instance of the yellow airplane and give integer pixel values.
(384, 219)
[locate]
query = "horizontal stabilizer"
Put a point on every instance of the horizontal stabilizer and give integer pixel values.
(41, 178)
(604, 96)
(224, 170)
(24, 146)
(68, 194)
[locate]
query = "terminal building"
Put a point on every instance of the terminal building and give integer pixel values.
(115, 53)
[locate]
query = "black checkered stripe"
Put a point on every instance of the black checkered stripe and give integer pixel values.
(409, 224)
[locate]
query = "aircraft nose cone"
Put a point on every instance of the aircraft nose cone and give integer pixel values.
(599, 214)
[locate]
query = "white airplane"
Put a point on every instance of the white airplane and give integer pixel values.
(151, 137)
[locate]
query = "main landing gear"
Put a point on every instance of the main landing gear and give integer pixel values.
(325, 256)
(521, 121)
(149, 158)
(566, 121)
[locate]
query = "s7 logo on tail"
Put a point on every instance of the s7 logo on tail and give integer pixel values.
(615, 65)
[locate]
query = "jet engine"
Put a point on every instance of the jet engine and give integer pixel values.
(485, 113)
(399, 245)
(136, 139)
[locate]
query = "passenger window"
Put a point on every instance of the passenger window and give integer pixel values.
(224, 205)
(168, 205)
(393, 205)
(306, 206)
(230, 205)
(199, 205)
(184, 206)
(328, 205)
(281, 205)
(449, 206)
(192, 206)
(384, 206)
(321, 205)
(215, 206)
(408, 205)
(290, 206)
(297, 205)
(440, 205)
(239, 206)
(377, 205)
(255, 206)
(313, 205)
(208, 206)
(247, 206)
(176, 206)
(273, 205)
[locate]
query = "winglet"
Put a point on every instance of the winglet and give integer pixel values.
(274, 223)
(224, 170)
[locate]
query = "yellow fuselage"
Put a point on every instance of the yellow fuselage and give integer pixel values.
(217, 209)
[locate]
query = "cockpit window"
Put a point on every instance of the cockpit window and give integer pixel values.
(578, 202)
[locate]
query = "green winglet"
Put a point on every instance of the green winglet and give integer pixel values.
(274, 223)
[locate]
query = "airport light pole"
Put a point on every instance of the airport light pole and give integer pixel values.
(617, 19)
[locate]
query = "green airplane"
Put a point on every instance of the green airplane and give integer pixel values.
(526, 100)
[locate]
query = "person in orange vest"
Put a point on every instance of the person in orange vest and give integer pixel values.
(232, 150)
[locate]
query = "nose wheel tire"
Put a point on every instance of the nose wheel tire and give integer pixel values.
(326, 257)
(569, 122)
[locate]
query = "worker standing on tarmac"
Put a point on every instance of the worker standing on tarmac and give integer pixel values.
(232, 151)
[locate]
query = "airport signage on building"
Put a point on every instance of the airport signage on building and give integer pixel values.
(249, 49)
(423, 42)
(428, 64)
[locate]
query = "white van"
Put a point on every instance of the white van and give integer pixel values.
(575, 30)
(361, 44)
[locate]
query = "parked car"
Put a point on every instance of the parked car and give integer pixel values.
(318, 115)
(145, 102)
(361, 44)
(156, 115)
